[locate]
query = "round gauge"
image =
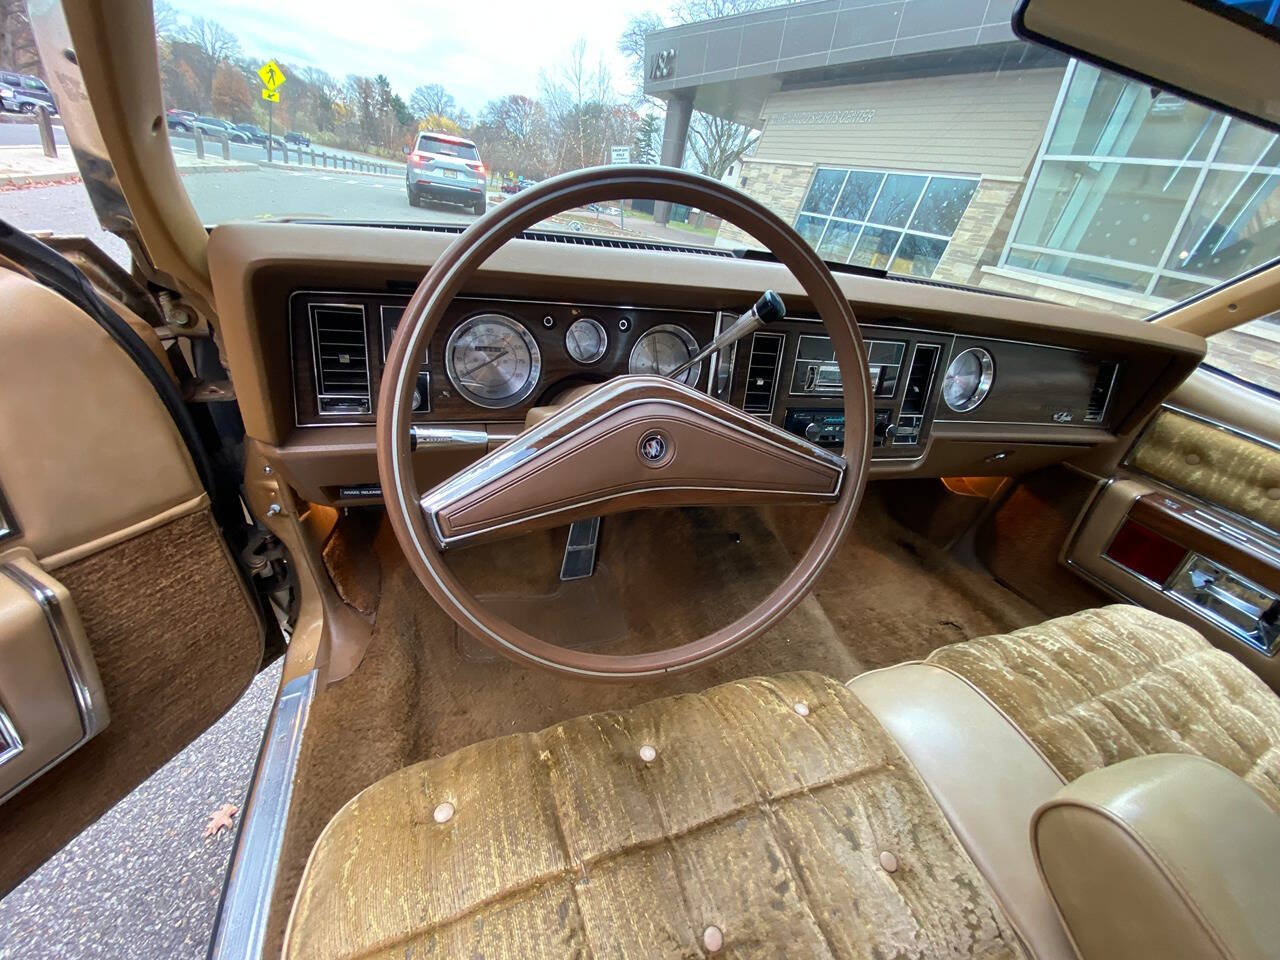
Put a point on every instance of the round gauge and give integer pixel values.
(661, 349)
(968, 379)
(492, 360)
(586, 340)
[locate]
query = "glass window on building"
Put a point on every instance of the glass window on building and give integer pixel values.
(1142, 192)
(1250, 352)
(884, 219)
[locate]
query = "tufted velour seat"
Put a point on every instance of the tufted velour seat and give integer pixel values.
(795, 816)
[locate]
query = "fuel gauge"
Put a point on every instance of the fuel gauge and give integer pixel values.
(586, 340)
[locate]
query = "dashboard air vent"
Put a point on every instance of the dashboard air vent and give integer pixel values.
(762, 372)
(1100, 395)
(341, 359)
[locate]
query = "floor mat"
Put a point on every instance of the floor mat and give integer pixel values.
(421, 692)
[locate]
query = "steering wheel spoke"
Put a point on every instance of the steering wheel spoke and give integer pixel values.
(636, 442)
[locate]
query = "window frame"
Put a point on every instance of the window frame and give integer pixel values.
(865, 222)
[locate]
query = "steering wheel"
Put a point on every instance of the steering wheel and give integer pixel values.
(633, 442)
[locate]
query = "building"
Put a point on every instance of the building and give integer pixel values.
(924, 137)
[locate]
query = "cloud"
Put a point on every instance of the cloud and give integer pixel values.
(476, 50)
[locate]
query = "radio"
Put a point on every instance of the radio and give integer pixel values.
(826, 427)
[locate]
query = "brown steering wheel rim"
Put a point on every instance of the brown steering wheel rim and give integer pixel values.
(446, 279)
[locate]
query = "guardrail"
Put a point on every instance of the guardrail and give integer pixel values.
(320, 160)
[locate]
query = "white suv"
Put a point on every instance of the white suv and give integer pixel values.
(444, 167)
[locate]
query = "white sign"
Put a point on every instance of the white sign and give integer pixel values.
(619, 155)
(823, 117)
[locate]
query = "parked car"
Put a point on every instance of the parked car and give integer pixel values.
(181, 121)
(25, 93)
(445, 167)
(259, 136)
(298, 139)
(218, 127)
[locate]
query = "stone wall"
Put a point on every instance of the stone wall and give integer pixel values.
(981, 231)
(780, 186)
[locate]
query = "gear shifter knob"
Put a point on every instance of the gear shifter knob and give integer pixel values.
(770, 308)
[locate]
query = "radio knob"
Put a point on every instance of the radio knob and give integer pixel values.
(885, 429)
(812, 432)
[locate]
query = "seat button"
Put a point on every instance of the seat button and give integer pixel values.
(1192, 459)
(1273, 493)
(713, 939)
(801, 708)
(443, 813)
(648, 754)
(888, 861)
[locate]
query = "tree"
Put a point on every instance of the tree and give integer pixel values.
(17, 43)
(231, 96)
(431, 100)
(321, 92)
(165, 17)
(648, 143)
(435, 123)
(212, 39)
(513, 134)
(579, 102)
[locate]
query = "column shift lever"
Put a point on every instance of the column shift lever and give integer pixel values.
(768, 309)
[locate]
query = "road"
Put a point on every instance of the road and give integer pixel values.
(26, 134)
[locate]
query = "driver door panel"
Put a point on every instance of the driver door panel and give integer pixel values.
(125, 629)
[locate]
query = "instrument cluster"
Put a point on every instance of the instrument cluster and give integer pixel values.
(491, 359)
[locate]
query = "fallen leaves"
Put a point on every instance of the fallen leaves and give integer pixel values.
(221, 819)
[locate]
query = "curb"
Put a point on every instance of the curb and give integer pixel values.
(273, 165)
(73, 176)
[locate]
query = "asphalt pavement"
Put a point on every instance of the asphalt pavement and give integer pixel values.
(143, 882)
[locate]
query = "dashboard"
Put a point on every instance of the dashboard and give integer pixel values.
(494, 359)
(964, 383)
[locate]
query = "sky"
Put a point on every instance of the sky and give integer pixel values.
(477, 49)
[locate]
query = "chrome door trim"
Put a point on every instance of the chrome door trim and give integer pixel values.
(90, 705)
(10, 739)
(241, 925)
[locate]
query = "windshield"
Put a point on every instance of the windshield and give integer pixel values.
(947, 151)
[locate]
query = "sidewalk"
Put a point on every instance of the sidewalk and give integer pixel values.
(22, 166)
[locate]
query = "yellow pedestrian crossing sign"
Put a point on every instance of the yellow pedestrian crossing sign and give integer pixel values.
(271, 95)
(272, 77)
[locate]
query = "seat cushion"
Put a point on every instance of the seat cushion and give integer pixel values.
(797, 832)
(1105, 685)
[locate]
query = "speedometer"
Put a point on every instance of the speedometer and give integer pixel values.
(663, 348)
(968, 379)
(492, 361)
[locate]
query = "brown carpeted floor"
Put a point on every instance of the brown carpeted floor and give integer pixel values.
(662, 578)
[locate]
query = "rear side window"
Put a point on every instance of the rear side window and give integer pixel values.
(447, 148)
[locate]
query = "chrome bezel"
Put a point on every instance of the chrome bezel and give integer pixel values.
(604, 340)
(693, 374)
(535, 361)
(985, 379)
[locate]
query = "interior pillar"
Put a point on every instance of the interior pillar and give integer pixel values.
(675, 133)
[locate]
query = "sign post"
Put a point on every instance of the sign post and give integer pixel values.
(619, 156)
(272, 78)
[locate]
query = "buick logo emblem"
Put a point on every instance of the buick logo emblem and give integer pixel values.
(654, 448)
